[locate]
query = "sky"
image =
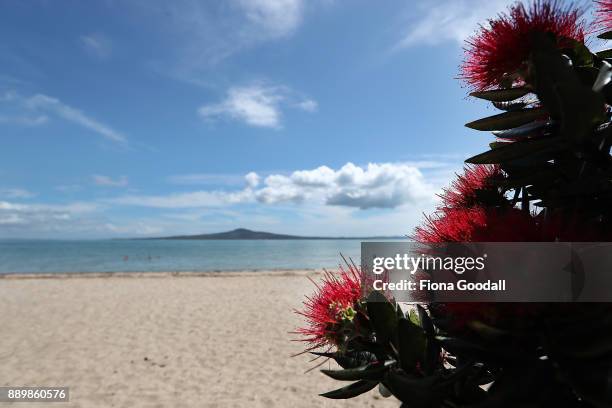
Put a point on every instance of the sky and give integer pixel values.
(148, 118)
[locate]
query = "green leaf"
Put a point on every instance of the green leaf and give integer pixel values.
(411, 344)
(575, 104)
(350, 359)
(521, 132)
(382, 316)
(535, 175)
(582, 55)
(605, 36)
(511, 106)
(418, 392)
(501, 95)
(425, 320)
(372, 372)
(351, 390)
(604, 76)
(486, 330)
(583, 110)
(508, 120)
(497, 145)
(431, 360)
(414, 317)
(586, 75)
(517, 150)
(605, 53)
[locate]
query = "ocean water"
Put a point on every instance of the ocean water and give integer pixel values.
(49, 256)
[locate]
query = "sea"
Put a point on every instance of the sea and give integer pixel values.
(55, 256)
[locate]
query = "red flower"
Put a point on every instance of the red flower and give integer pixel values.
(451, 225)
(463, 193)
(503, 47)
(463, 217)
(603, 15)
(478, 224)
(330, 312)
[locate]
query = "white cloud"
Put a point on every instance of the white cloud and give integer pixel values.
(97, 45)
(254, 105)
(77, 219)
(15, 193)
(308, 105)
(107, 181)
(377, 185)
(375, 199)
(252, 179)
(37, 109)
(49, 104)
(385, 185)
(142, 228)
(257, 105)
(278, 17)
(196, 199)
(206, 178)
(194, 36)
(25, 120)
(448, 20)
(41, 215)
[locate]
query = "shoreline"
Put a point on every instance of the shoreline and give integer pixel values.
(176, 340)
(161, 274)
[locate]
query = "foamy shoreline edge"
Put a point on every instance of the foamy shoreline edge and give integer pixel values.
(181, 274)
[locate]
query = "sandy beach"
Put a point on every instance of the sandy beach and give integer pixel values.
(163, 340)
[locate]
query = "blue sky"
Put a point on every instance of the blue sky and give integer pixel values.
(132, 118)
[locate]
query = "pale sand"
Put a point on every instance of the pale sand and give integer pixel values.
(163, 340)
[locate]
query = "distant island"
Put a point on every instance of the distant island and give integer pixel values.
(243, 233)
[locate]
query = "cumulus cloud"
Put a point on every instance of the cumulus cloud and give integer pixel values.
(37, 109)
(386, 185)
(307, 202)
(252, 179)
(377, 185)
(257, 105)
(96, 45)
(107, 181)
(449, 20)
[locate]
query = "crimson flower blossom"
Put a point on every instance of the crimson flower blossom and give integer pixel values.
(478, 224)
(463, 192)
(502, 48)
(330, 313)
(462, 217)
(603, 15)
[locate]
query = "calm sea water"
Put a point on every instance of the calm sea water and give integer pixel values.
(41, 256)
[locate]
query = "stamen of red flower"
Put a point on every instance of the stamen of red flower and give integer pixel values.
(603, 15)
(500, 49)
(463, 192)
(333, 305)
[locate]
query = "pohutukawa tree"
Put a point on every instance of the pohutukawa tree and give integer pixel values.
(547, 176)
